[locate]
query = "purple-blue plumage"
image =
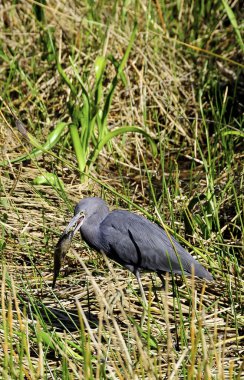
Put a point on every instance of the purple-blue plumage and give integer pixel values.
(133, 241)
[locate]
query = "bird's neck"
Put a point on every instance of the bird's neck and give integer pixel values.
(90, 229)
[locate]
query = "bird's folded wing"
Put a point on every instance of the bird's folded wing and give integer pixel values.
(133, 240)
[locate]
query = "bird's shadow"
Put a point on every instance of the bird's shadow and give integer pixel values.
(62, 319)
(66, 319)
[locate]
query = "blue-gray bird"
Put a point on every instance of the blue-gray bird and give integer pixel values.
(129, 239)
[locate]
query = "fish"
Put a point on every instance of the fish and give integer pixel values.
(60, 251)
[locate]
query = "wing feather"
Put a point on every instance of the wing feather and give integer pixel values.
(135, 242)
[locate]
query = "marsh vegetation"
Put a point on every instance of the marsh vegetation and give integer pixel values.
(140, 103)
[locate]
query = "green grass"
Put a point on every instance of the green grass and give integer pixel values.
(140, 103)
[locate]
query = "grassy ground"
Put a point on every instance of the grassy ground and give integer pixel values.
(140, 103)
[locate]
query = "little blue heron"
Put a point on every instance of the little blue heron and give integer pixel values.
(129, 239)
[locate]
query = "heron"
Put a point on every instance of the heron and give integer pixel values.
(128, 239)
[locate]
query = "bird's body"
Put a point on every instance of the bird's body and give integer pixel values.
(132, 240)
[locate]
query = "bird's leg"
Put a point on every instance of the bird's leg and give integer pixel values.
(163, 284)
(145, 303)
(161, 279)
(137, 274)
(154, 289)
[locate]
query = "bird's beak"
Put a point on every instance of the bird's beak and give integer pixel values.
(75, 224)
(64, 243)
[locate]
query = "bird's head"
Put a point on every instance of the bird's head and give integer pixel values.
(87, 207)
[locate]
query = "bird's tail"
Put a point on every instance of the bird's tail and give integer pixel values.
(200, 271)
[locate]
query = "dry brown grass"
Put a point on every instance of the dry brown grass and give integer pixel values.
(162, 96)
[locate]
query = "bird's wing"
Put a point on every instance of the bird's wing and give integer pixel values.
(135, 242)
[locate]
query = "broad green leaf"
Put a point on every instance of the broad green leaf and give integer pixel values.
(79, 151)
(120, 131)
(49, 179)
(52, 140)
(54, 136)
(100, 64)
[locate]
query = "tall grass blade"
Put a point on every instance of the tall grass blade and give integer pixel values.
(117, 132)
(233, 21)
(79, 151)
(116, 78)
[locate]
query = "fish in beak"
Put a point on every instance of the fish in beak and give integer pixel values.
(64, 243)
